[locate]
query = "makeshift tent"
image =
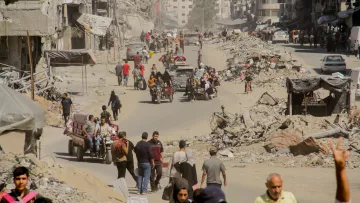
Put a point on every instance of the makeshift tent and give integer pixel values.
(301, 95)
(19, 112)
(71, 58)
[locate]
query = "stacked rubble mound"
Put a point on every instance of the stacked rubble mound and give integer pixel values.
(59, 183)
(41, 179)
(261, 60)
(265, 134)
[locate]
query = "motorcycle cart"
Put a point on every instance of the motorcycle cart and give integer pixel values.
(141, 84)
(78, 145)
(198, 93)
(160, 93)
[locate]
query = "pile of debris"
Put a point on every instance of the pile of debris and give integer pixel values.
(41, 179)
(297, 140)
(261, 60)
(52, 111)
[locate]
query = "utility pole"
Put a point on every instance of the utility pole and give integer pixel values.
(31, 68)
(203, 17)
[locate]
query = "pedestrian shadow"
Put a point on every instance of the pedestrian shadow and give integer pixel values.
(307, 49)
(86, 159)
(154, 103)
(318, 71)
(62, 154)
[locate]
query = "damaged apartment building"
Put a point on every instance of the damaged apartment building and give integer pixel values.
(51, 25)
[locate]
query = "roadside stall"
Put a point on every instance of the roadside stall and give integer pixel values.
(302, 98)
(80, 57)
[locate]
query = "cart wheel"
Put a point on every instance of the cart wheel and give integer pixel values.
(158, 100)
(108, 158)
(80, 153)
(207, 97)
(71, 148)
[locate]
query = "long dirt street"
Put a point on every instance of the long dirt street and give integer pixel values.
(182, 119)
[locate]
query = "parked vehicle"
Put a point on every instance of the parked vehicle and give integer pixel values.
(132, 49)
(280, 36)
(332, 64)
(78, 146)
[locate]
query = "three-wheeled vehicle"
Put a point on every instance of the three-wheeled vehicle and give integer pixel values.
(159, 93)
(78, 145)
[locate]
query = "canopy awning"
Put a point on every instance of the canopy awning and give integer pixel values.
(325, 19)
(313, 83)
(347, 13)
(94, 24)
(74, 57)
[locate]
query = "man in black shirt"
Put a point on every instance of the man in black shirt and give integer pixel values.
(130, 158)
(67, 107)
(145, 163)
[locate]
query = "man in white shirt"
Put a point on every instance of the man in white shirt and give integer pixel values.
(101, 130)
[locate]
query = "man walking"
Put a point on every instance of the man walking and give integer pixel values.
(119, 151)
(118, 72)
(158, 153)
(137, 59)
(212, 169)
(274, 192)
(145, 163)
(125, 72)
(66, 107)
(130, 157)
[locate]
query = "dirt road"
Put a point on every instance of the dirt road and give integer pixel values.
(182, 119)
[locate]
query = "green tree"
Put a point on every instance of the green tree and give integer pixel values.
(202, 9)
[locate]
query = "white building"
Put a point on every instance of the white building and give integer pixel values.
(180, 10)
(269, 9)
(223, 7)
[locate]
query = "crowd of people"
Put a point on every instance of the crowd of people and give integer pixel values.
(183, 186)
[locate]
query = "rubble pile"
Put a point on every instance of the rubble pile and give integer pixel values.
(263, 61)
(249, 128)
(52, 111)
(265, 134)
(42, 178)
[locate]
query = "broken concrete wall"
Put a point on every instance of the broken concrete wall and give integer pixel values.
(33, 16)
(136, 25)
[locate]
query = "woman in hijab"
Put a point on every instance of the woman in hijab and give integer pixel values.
(188, 172)
(167, 78)
(115, 104)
